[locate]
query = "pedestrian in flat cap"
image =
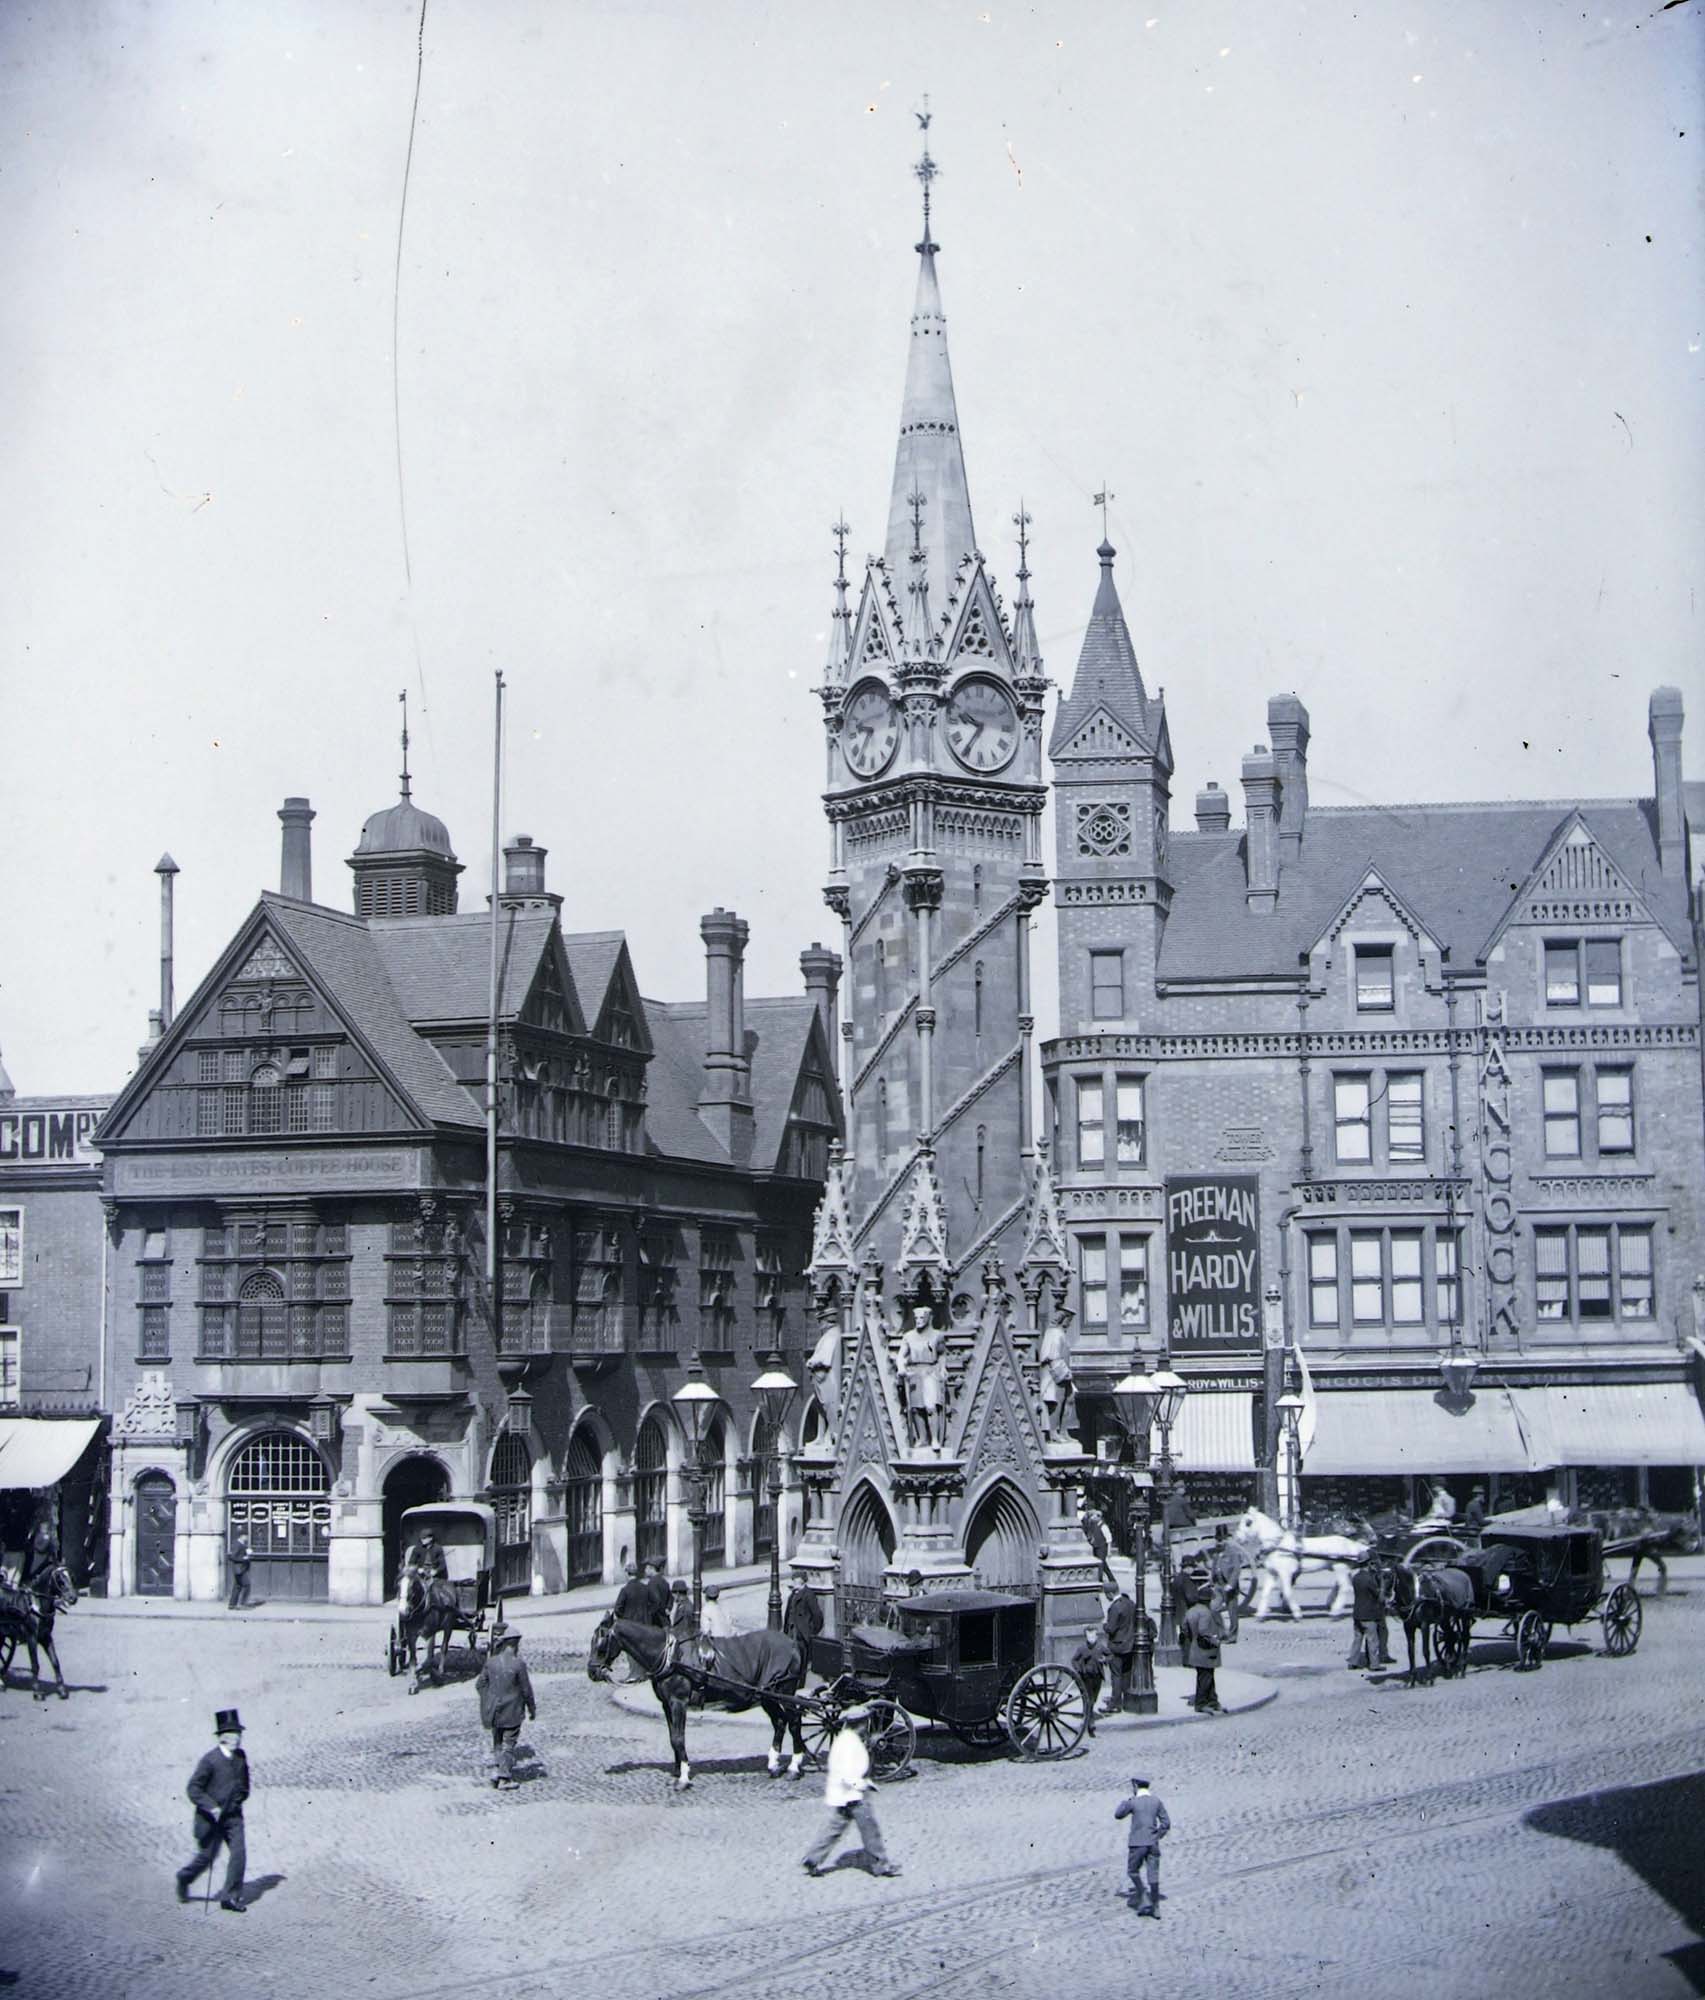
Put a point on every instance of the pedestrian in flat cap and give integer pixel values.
(217, 1788)
(847, 1781)
(1149, 1827)
(633, 1600)
(657, 1591)
(239, 1559)
(1201, 1634)
(1090, 1663)
(505, 1689)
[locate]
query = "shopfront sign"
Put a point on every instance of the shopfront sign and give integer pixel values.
(1213, 1263)
(50, 1135)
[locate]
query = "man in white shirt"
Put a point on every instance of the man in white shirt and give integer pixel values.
(716, 1621)
(844, 1790)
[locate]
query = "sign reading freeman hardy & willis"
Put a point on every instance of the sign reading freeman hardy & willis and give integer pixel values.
(1213, 1262)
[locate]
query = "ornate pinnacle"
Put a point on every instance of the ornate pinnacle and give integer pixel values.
(926, 171)
(840, 641)
(403, 698)
(1021, 521)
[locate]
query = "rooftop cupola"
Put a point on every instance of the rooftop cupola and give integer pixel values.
(404, 865)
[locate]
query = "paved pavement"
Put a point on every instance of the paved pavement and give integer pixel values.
(1510, 1834)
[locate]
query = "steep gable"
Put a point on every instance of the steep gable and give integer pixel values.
(979, 639)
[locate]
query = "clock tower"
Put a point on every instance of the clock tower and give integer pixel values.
(932, 699)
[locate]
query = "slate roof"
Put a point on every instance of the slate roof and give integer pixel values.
(1107, 672)
(592, 957)
(1456, 867)
(441, 966)
(782, 1028)
(343, 954)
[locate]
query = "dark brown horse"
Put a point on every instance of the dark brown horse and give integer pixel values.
(426, 1609)
(750, 1669)
(27, 1615)
(1436, 1604)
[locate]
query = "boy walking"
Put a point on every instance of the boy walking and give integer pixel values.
(505, 1689)
(217, 1788)
(1149, 1827)
(844, 1792)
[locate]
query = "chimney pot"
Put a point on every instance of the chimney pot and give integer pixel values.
(1213, 809)
(296, 874)
(1287, 724)
(1664, 716)
(1261, 799)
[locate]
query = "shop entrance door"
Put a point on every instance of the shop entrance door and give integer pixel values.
(156, 1535)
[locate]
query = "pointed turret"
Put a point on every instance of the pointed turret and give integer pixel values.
(1026, 649)
(840, 623)
(929, 459)
(1108, 676)
(921, 645)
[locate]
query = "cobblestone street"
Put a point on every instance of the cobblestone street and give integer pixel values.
(1508, 1835)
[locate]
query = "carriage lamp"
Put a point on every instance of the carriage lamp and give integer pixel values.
(1290, 1414)
(1458, 1367)
(1169, 1394)
(775, 1391)
(1133, 1401)
(695, 1399)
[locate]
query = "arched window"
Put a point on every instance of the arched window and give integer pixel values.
(651, 1492)
(713, 1455)
(262, 1330)
(265, 1101)
(584, 1499)
(279, 1500)
(512, 1501)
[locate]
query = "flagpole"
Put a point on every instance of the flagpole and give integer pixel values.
(492, 1260)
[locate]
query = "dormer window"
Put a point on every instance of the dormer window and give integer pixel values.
(1375, 987)
(1588, 969)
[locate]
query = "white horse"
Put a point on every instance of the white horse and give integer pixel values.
(1284, 1555)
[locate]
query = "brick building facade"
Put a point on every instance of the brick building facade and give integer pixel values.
(1392, 1087)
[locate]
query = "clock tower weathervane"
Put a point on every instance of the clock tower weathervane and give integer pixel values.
(932, 700)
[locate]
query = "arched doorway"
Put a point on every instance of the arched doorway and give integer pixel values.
(713, 1457)
(156, 1535)
(279, 1494)
(415, 1481)
(512, 1501)
(1003, 1541)
(867, 1542)
(651, 1493)
(584, 1502)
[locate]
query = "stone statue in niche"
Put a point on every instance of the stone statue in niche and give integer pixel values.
(924, 1377)
(825, 1357)
(1054, 1376)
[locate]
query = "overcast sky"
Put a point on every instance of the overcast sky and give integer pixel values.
(1383, 323)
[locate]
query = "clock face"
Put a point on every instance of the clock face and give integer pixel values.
(982, 725)
(870, 729)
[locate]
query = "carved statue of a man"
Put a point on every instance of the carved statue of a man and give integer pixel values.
(1054, 1374)
(821, 1367)
(921, 1370)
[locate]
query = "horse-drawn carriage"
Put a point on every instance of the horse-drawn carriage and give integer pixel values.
(467, 1533)
(1532, 1578)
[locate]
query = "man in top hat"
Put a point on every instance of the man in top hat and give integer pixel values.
(217, 1788)
(1149, 1827)
(505, 1689)
(633, 1600)
(846, 1782)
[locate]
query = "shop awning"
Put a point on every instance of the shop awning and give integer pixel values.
(1402, 1431)
(1620, 1423)
(1215, 1432)
(37, 1451)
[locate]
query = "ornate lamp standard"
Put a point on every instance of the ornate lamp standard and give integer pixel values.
(1290, 1413)
(1133, 1399)
(775, 1391)
(1169, 1393)
(695, 1399)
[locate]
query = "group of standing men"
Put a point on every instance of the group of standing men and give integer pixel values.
(1205, 1606)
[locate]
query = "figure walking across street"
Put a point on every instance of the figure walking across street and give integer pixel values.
(1090, 1663)
(239, 1559)
(844, 1791)
(1120, 1631)
(505, 1689)
(1371, 1646)
(1149, 1827)
(217, 1788)
(1201, 1633)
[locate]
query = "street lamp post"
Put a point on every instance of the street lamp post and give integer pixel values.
(1133, 1398)
(775, 1391)
(1290, 1411)
(695, 1399)
(1169, 1393)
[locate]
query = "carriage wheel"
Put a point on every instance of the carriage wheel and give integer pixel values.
(817, 1728)
(1533, 1635)
(1436, 1549)
(1622, 1620)
(989, 1734)
(1450, 1645)
(393, 1653)
(1047, 1712)
(892, 1739)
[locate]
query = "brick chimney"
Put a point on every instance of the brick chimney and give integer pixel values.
(524, 877)
(725, 1101)
(1287, 725)
(1663, 726)
(296, 874)
(1213, 809)
(822, 970)
(1261, 828)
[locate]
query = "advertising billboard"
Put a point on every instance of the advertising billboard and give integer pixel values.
(1213, 1263)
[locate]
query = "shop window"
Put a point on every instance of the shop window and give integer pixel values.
(1352, 1117)
(1561, 1089)
(1375, 986)
(1091, 1123)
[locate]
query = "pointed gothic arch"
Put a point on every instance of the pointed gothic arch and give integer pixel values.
(1003, 1540)
(867, 1539)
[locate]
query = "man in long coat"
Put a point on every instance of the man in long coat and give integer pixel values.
(1201, 1636)
(633, 1600)
(505, 1689)
(1120, 1627)
(657, 1592)
(802, 1620)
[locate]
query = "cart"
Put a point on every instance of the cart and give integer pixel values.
(1536, 1578)
(467, 1533)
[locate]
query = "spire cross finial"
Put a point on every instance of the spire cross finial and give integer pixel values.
(840, 531)
(403, 698)
(1021, 521)
(1104, 499)
(926, 171)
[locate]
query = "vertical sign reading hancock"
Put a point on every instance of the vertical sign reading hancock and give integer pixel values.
(1213, 1263)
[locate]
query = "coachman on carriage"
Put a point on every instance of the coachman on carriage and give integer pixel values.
(445, 1585)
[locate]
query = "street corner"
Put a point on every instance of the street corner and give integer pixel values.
(1240, 1694)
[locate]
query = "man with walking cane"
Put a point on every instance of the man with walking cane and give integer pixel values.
(217, 1788)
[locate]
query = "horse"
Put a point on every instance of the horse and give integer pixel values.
(1436, 1604)
(426, 1609)
(765, 1667)
(1283, 1555)
(27, 1613)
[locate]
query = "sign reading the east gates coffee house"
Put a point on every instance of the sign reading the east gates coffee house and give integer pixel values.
(1213, 1263)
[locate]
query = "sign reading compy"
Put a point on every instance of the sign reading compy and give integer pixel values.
(1213, 1263)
